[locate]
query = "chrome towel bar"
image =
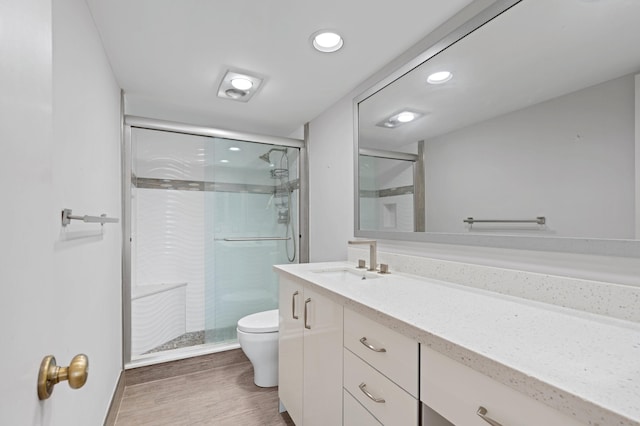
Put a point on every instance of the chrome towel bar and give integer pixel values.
(67, 217)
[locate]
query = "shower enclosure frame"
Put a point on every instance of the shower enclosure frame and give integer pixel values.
(129, 122)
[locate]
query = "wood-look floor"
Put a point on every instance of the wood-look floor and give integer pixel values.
(221, 396)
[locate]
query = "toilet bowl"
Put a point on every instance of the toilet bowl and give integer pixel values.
(258, 338)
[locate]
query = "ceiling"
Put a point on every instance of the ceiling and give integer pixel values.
(169, 56)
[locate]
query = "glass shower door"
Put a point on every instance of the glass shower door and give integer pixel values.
(251, 217)
(209, 219)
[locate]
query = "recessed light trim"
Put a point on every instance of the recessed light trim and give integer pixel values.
(399, 118)
(439, 77)
(327, 41)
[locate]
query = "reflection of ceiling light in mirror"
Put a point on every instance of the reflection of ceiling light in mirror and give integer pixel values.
(239, 86)
(224, 161)
(406, 116)
(234, 148)
(326, 41)
(241, 83)
(439, 77)
(400, 118)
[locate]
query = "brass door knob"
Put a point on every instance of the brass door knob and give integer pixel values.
(50, 374)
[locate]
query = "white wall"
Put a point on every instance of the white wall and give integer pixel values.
(331, 183)
(87, 178)
(60, 148)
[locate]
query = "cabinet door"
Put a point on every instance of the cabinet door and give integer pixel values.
(290, 347)
(322, 360)
(456, 392)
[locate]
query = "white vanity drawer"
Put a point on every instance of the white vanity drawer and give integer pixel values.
(355, 414)
(456, 392)
(399, 408)
(399, 361)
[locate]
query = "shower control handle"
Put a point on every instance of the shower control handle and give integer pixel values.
(293, 305)
(306, 304)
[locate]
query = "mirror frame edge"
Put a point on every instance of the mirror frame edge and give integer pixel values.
(586, 246)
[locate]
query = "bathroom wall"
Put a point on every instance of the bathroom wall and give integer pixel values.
(61, 288)
(330, 147)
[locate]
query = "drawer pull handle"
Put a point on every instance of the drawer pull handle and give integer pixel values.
(370, 346)
(293, 305)
(306, 324)
(363, 386)
(482, 412)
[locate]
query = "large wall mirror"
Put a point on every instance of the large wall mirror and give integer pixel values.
(520, 129)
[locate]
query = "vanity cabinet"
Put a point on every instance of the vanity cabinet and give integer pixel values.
(310, 354)
(457, 392)
(380, 374)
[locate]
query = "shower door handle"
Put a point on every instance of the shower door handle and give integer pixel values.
(306, 304)
(293, 305)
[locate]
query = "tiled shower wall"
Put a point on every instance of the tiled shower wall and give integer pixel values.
(169, 245)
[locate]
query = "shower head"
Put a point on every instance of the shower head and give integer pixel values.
(265, 156)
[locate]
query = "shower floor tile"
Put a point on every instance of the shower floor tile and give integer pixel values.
(194, 338)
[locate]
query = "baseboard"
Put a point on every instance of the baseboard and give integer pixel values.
(112, 413)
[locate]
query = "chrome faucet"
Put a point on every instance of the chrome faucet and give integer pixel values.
(373, 244)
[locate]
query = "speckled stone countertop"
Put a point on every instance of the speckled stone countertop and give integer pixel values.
(582, 364)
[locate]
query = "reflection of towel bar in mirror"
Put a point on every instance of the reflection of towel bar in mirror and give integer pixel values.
(540, 220)
(254, 239)
(67, 217)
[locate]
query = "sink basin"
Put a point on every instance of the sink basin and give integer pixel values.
(347, 274)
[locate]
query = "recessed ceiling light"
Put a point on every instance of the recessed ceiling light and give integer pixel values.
(400, 118)
(241, 83)
(234, 148)
(439, 77)
(326, 41)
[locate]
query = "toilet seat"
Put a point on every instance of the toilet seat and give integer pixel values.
(261, 322)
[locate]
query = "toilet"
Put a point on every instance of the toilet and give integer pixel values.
(258, 338)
